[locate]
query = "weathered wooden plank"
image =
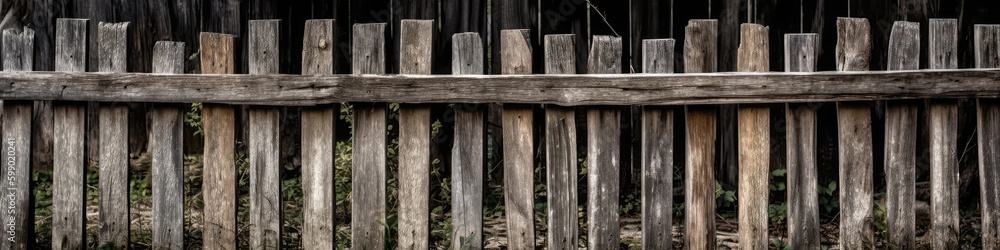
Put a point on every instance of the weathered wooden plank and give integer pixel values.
(987, 51)
(368, 169)
(901, 140)
(414, 139)
(68, 178)
(753, 122)
(518, 146)
(700, 55)
(218, 122)
(467, 150)
(657, 153)
(855, 140)
(18, 213)
(318, 141)
(560, 151)
(114, 153)
(942, 53)
(658, 56)
(166, 140)
(263, 142)
(800, 119)
(603, 132)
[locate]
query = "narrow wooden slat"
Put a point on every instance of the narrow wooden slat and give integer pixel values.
(754, 143)
(942, 53)
(657, 153)
(368, 169)
(855, 140)
(987, 52)
(901, 140)
(467, 151)
(18, 215)
(800, 120)
(114, 186)
(518, 147)
(68, 158)
(166, 141)
(263, 143)
(414, 139)
(318, 141)
(700, 56)
(603, 135)
(218, 122)
(560, 151)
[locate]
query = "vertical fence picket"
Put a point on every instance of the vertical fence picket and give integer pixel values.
(318, 141)
(414, 139)
(942, 53)
(800, 122)
(560, 151)
(68, 158)
(265, 173)
(219, 174)
(657, 153)
(754, 143)
(467, 152)
(19, 209)
(166, 141)
(603, 135)
(113, 182)
(855, 148)
(700, 56)
(987, 50)
(368, 169)
(518, 147)
(901, 140)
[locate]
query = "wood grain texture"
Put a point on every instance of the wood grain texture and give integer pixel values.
(166, 140)
(800, 119)
(19, 213)
(855, 140)
(368, 169)
(518, 146)
(987, 51)
(754, 145)
(854, 44)
(700, 56)
(603, 158)
(263, 142)
(560, 152)
(414, 139)
(318, 141)
(114, 152)
(68, 169)
(658, 55)
(218, 121)
(657, 153)
(942, 53)
(467, 150)
(701, 46)
(901, 141)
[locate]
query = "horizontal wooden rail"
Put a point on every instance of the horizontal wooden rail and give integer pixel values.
(567, 90)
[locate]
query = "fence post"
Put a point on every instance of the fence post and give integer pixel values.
(518, 147)
(166, 141)
(800, 122)
(603, 160)
(942, 53)
(318, 141)
(467, 152)
(700, 56)
(657, 153)
(987, 50)
(414, 139)
(68, 158)
(754, 143)
(19, 210)
(113, 188)
(901, 140)
(263, 143)
(219, 178)
(855, 148)
(560, 151)
(368, 167)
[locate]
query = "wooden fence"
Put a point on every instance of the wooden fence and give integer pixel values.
(602, 94)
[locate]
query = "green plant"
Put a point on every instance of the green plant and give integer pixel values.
(777, 185)
(139, 188)
(881, 227)
(724, 198)
(777, 212)
(193, 118)
(828, 198)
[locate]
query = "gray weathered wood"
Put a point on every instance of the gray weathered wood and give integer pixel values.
(166, 141)
(218, 121)
(318, 141)
(560, 152)
(753, 122)
(700, 56)
(657, 153)
(114, 155)
(855, 137)
(800, 119)
(603, 132)
(467, 150)
(368, 169)
(987, 51)
(901, 141)
(18, 215)
(68, 158)
(263, 143)
(942, 53)
(414, 139)
(518, 147)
